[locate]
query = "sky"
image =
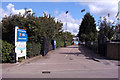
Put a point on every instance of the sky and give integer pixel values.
(58, 9)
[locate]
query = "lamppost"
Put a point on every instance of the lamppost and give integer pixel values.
(118, 18)
(83, 10)
(65, 42)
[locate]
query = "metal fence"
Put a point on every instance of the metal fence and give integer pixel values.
(46, 46)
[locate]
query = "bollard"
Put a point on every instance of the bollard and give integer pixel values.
(54, 46)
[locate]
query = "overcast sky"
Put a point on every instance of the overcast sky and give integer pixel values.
(58, 9)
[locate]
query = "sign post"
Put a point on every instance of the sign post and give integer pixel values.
(20, 42)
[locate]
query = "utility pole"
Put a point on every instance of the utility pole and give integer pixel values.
(65, 42)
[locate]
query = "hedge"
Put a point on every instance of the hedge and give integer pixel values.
(33, 49)
(7, 50)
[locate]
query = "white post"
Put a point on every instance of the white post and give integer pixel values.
(16, 42)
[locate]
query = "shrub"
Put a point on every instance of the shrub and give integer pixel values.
(59, 42)
(33, 49)
(7, 49)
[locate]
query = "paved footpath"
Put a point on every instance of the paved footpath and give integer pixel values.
(67, 62)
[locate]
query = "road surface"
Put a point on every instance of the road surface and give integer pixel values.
(67, 62)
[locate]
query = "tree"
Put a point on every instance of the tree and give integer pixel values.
(87, 29)
(106, 29)
(0, 30)
(38, 29)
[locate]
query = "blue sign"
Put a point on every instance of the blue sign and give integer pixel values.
(21, 35)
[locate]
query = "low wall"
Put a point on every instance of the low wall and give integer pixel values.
(113, 50)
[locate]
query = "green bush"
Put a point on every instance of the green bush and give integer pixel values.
(7, 49)
(33, 49)
(38, 30)
(69, 43)
(20, 59)
(59, 42)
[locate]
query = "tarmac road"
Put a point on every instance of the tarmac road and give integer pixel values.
(67, 62)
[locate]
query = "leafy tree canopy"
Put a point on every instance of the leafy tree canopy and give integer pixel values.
(87, 29)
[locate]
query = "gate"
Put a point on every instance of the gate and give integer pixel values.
(102, 45)
(45, 46)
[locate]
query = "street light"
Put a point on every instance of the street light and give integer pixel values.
(83, 10)
(65, 42)
(66, 19)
